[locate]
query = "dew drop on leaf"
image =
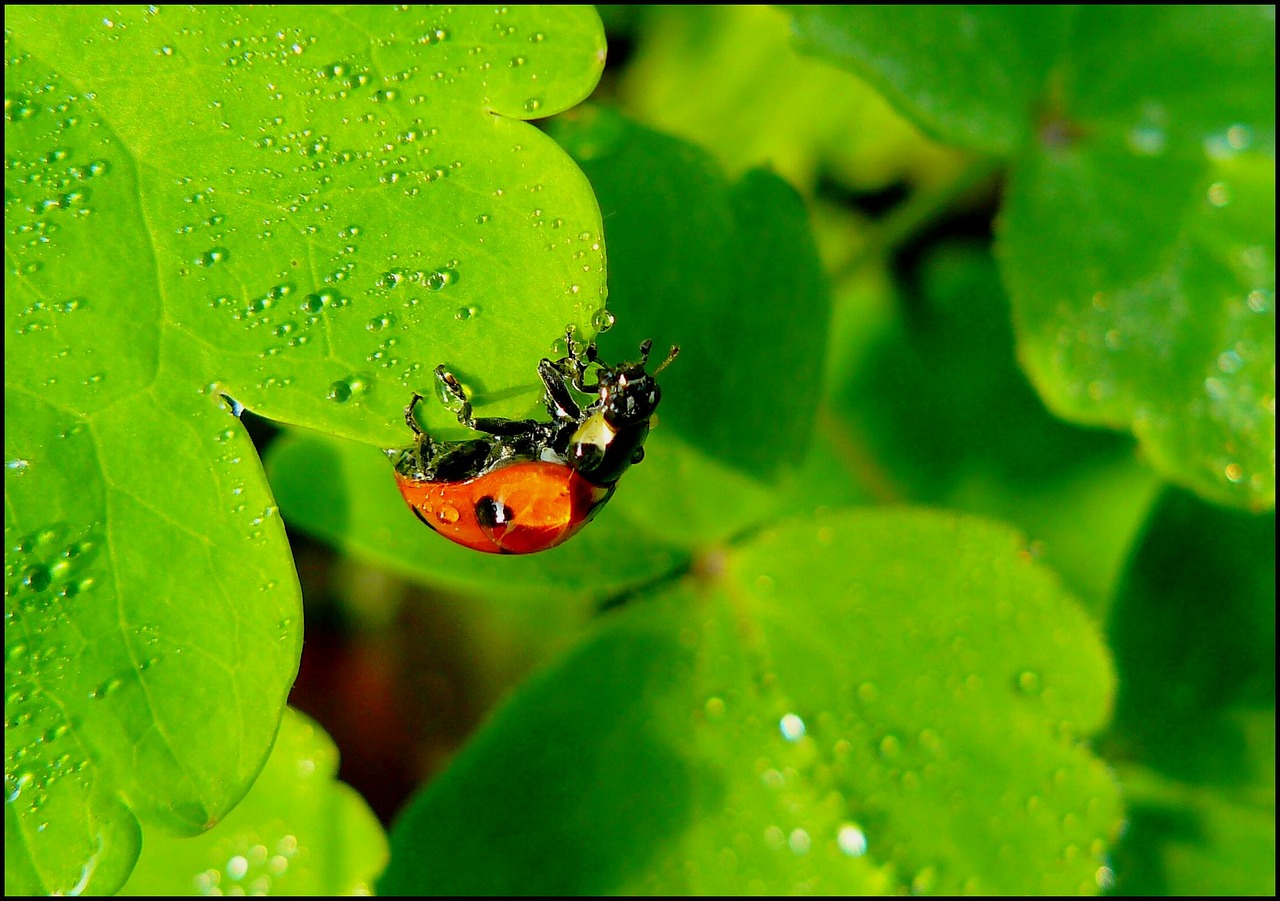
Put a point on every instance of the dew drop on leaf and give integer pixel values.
(339, 392)
(602, 320)
(792, 727)
(36, 578)
(852, 840)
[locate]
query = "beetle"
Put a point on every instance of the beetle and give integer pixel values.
(529, 485)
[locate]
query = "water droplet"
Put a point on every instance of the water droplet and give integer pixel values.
(1029, 683)
(1218, 195)
(1239, 137)
(1105, 878)
(714, 708)
(1147, 140)
(18, 108)
(1229, 362)
(799, 841)
(532, 105)
(602, 320)
(237, 867)
(441, 278)
(339, 392)
(792, 727)
(465, 313)
(378, 323)
(447, 514)
(213, 257)
(36, 578)
(852, 840)
(1215, 388)
(105, 689)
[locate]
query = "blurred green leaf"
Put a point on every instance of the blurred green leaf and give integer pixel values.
(1201, 840)
(1138, 233)
(199, 203)
(940, 394)
(299, 831)
(729, 271)
(1082, 522)
(932, 395)
(1143, 292)
(1193, 629)
(971, 75)
(872, 702)
(1194, 632)
(727, 78)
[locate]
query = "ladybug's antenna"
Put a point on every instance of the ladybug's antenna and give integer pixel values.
(675, 352)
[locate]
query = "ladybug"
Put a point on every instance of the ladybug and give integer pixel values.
(528, 485)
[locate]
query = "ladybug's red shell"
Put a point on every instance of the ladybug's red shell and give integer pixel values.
(520, 508)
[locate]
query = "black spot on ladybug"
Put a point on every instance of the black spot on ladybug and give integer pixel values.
(489, 513)
(418, 513)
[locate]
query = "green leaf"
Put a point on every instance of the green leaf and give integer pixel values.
(728, 271)
(327, 203)
(872, 702)
(971, 410)
(1143, 297)
(1200, 590)
(299, 831)
(152, 627)
(714, 75)
(971, 75)
(1194, 632)
(1191, 840)
(303, 210)
(1138, 233)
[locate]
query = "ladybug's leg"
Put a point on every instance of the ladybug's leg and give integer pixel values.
(491, 424)
(559, 401)
(408, 417)
(423, 449)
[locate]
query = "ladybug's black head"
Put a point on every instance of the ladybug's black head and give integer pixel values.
(628, 394)
(611, 438)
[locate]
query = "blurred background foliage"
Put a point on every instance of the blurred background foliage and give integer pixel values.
(922, 400)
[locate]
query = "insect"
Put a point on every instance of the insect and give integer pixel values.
(528, 485)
